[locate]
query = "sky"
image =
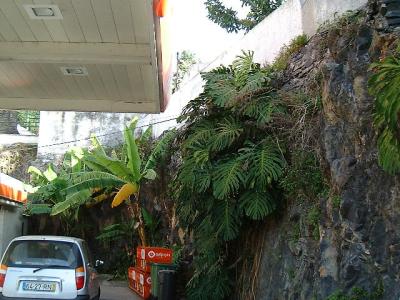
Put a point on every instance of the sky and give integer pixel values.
(193, 31)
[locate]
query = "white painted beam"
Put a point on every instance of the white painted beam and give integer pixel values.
(83, 53)
(79, 105)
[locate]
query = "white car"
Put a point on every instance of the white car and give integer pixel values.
(48, 267)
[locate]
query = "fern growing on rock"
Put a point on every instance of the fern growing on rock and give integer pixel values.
(384, 84)
(230, 164)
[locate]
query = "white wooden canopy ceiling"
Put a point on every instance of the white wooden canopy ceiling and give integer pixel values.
(79, 55)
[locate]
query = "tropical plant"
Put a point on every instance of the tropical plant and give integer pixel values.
(228, 19)
(185, 61)
(120, 236)
(49, 189)
(384, 84)
(230, 164)
(126, 172)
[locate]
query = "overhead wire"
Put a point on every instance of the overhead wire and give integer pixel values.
(83, 139)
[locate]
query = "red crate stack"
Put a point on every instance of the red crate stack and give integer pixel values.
(139, 277)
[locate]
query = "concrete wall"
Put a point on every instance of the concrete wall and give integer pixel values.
(317, 12)
(58, 129)
(8, 122)
(11, 223)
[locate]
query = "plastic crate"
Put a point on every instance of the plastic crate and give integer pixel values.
(143, 265)
(143, 291)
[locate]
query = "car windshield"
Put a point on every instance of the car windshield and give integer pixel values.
(42, 254)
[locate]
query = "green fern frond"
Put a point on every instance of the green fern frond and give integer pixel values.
(111, 233)
(242, 67)
(384, 84)
(159, 152)
(223, 93)
(227, 132)
(261, 109)
(254, 83)
(389, 151)
(265, 164)
(257, 205)
(195, 110)
(201, 156)
(228, 177)
(228, 222)
(199, 135)
(187, 174)
(203, 180)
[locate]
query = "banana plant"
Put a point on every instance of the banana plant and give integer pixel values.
(126, 173)
(47, 188)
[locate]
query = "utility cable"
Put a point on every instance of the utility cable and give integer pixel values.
(85, 139)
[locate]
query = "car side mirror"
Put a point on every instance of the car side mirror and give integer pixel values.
(99, 262)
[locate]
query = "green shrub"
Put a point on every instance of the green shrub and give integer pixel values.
(29, 120)
(230, 166)
(303, 178)
(336, 201)
(384, 84)
(358, 293)
(281, 62)
(313, 218)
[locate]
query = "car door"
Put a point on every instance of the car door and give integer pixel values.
(91, 273)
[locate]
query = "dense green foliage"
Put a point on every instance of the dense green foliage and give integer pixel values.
(287, 51)
(185, 61)
(88, 175)
(384, 84)
(303, 180)
(49, 190)
(29, 120)
(230, 166)
(358, 293)
(228, 18)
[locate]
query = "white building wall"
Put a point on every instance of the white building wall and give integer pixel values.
(59, 131)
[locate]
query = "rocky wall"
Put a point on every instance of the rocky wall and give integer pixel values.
(357, 252)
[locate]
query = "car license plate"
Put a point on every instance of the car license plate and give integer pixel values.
(39, 286)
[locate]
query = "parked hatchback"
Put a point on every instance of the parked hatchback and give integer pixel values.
(48, 267)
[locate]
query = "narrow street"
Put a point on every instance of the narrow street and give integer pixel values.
(117, 290)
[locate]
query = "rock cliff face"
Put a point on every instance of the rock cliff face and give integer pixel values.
(358, 249)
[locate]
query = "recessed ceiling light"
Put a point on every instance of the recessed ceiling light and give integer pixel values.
(43, 12)
(74, 71)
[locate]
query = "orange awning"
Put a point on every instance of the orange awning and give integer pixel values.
(12, 189)
(160, 7)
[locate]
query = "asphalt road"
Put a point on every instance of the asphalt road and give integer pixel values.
(117, 290)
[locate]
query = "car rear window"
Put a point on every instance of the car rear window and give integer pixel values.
(37, 254)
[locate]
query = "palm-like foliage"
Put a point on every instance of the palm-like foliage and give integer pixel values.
(51, 190)
(126, 172)
(385, 86)
(229, 167)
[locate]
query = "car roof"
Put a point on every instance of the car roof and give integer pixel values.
(48, 238)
